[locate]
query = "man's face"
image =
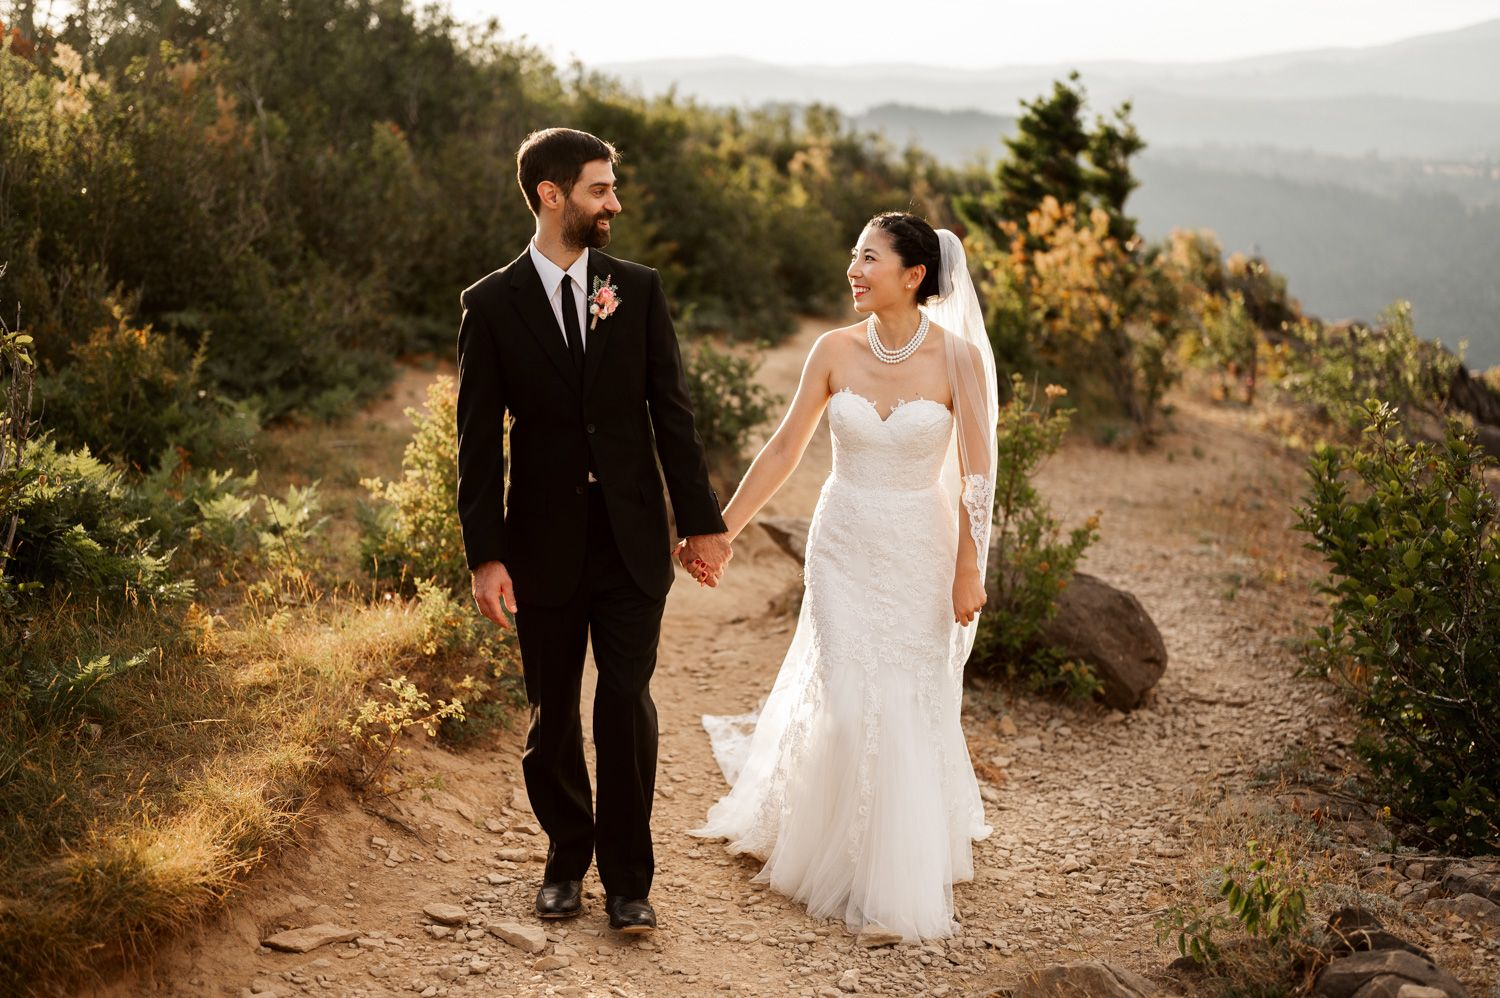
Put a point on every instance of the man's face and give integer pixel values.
(588, 208)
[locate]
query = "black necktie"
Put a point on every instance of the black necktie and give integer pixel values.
(570, 324)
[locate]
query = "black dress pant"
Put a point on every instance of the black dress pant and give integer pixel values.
(625, 625)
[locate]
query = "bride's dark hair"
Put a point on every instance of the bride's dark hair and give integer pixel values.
(915, 242)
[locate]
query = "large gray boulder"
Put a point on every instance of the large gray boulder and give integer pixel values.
(1108, 629)
(1105, 627)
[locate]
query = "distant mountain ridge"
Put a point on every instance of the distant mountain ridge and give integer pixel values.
(1362, 174)
(1436, 95)
(1462, 64)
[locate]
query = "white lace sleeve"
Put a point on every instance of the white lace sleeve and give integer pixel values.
(978, 500)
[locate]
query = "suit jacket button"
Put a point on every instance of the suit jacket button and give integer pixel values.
(578, 490)
(590, 428)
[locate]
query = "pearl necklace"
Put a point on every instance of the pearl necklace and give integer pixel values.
(888, 356)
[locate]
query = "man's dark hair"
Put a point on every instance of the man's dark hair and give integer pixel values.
(558, 155)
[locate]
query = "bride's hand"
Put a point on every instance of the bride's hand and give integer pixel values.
(968, 597)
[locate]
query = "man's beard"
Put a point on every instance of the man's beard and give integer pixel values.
(580, 230)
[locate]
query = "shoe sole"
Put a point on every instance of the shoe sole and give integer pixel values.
(636, 930)
(557, 915)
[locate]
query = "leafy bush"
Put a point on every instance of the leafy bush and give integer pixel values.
(379, 723)
(1409, 534)
(1266, 897)
(412, 532)
(1341, 367)
(1067, 295)
(728, 404)
(79, 531)
(131, 394)
(1030, 561)
(1231, 342)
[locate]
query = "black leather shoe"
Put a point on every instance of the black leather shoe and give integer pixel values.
(632, 917)
(560, 899)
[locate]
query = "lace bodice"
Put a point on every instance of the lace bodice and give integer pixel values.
(904, 451)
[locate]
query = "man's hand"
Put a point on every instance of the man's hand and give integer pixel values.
(704, 556)
(492, 585)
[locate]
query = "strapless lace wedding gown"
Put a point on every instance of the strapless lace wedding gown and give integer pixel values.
(853, 781)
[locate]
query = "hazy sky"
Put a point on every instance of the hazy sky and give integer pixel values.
(970, 33)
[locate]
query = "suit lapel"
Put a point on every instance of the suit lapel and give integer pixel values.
(598, 336)
(530, 301)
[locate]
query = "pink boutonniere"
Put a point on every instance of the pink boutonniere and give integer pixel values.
(604, 300)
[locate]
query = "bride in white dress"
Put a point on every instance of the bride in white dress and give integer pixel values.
(853, 782)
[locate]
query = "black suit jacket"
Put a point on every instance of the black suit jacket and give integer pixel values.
(512, 358)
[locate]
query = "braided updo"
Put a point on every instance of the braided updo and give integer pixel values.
(915, 242)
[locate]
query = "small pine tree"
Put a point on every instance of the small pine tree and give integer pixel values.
(1053, 154)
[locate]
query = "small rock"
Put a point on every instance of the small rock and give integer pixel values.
(553, 962)
(1084, 979)
(1007, 726)
(849, 983)
(442, 856)
(872, 936)
(1070, 864)
(1469, 907)
(513, 855)
(527, 938)
(1031, 743)
(494, 825)
(438, 931)
(446, 914)
(378, 842)
(310, 938)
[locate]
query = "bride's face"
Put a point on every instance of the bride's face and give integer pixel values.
(877, 278)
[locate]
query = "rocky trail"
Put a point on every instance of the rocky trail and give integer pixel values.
(1100, 817)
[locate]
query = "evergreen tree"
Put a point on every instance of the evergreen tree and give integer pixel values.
(1054, 154)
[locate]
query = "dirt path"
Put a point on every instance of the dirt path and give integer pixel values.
(1097, 815)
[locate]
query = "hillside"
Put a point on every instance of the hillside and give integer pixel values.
(1101, 819)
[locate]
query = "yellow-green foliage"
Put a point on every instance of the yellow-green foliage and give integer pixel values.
(1033, 561)
(413, 531)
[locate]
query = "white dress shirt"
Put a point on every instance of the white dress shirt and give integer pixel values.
(552, 275)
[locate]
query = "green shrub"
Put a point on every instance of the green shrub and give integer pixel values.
(1030, 561)
(1409, 534)
(412, 531)
(1266, 897)
(79, 531)
(728, 404)
(1230, 343)
(1341, 367)
(132, 394)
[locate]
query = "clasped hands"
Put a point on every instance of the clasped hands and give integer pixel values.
(704, 556)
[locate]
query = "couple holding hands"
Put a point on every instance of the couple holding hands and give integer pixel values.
(851, 782)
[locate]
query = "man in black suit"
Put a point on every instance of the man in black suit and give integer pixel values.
(578, 548)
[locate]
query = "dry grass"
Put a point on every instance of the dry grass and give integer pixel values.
(131, 810)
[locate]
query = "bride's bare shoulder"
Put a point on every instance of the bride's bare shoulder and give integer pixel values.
(835, 341)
